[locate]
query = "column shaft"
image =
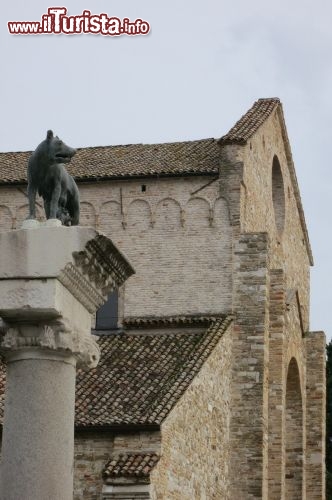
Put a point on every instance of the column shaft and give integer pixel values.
(38, 431)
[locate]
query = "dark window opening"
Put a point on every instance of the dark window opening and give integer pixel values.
(143, 187)
(107, 315)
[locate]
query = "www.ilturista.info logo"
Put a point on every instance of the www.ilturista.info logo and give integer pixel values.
(57, 22)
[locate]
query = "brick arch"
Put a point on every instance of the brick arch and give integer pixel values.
(110, 217)
(294, 453)
(139, 214)
(197, 213)
(6, 218)
(168, 215)
(87, 214)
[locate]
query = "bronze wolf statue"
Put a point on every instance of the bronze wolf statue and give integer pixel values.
(47, 176)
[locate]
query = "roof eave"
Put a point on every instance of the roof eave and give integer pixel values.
(83, 180)
(119, 428)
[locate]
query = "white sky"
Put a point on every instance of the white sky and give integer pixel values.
(201, 67)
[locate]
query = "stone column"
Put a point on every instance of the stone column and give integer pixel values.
(51, 280)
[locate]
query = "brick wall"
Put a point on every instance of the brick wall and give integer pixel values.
(178, 242)
(91, 455)
(94, 449)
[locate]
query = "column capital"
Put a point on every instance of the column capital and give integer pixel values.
(51, 280)
(49, 342)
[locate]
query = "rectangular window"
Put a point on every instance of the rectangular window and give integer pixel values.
(107, 315)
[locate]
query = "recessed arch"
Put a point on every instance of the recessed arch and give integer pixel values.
(278, 195)
(139, 215)
(197, 213)
(87, 214)
(168, 215)
(110, 217)
(294, 433)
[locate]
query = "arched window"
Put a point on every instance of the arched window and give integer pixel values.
(278, 195)
(294, 434)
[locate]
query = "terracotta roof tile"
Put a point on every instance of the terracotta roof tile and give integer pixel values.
(134, 160)
(146, 160)
(140, 377)
(250, 122)
(130, 465)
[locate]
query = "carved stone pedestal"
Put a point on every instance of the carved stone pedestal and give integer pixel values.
(51, 280)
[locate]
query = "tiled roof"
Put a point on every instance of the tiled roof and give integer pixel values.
(133, 160)
(140, 377)
(250, 122)
(146, 160)
(130, 465)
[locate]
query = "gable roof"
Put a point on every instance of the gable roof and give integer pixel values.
(201, 157)
(118, 162)
(246, 127)
(140, 376)
(250, 122)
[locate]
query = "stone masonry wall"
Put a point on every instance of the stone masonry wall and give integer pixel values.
(316, 401)
(250, 368)
(94, 449)
(277, 374)
(178, 241)
(267, 199)
(195, 436)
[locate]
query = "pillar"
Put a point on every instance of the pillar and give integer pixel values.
(52, 279)
(316, 415)
(249, 387)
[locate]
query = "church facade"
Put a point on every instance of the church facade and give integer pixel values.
(211, 384)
